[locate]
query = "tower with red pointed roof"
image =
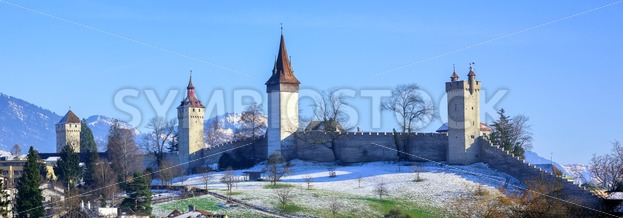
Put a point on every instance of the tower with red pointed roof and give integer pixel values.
(68, 132)
(283, 113)
(463, 118)
(190, 116)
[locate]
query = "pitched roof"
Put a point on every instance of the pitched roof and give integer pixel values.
(70, 117)
(191, 100)
(190, 83)
(282, 71)
(454, 75)
(471, 73)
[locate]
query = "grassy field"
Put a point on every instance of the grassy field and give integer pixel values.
(202, 203)
(316, 202)
(278, 185)
(406, 207)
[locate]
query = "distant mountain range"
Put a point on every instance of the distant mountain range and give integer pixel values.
(534, 158)
(26, 124)
(580, 172)
(229, 123)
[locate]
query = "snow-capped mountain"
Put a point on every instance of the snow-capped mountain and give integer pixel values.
(26, 124)
(229, 124)
(101, 124)
(581, 172)
(534, 158)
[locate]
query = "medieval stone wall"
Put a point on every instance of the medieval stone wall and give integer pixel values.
(243, 149)
(370, 146)
(503, 161)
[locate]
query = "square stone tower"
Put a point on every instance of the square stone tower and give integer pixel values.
(463, 119)
(190, 115)
(68, 132)
(283, 103)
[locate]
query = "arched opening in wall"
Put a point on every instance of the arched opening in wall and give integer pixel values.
(236, 160)
(226, 161)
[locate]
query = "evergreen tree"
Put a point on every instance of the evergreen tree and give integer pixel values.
(87, 142)
(139, 195)
(29, 198)
(68, 167)
(501, 135)
(91, 164)
(512, 134)
(88, 146)
(4, 200)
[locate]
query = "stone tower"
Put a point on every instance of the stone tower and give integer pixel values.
(68, 132)
(463, 119)
(283, 103)
(190, 116)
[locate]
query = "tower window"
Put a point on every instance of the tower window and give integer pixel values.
(193, 110)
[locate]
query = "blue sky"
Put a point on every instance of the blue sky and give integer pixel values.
(563, 75)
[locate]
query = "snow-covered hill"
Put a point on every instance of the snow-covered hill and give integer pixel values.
(26, 124)
(439, 186)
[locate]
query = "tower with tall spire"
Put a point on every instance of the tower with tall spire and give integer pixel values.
(190, 116)
(463, 118)
(68, 132)
(283, 109)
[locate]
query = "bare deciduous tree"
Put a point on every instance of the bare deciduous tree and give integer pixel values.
(253, 121)
(607, 169)
(16, 150)
(229, 179)
(359, 181)
(331, 118)
(277, 167)
(522, 131)
(207, 177)
(105, 181)
(409, 105)
(215, 135)
(381, 189)
(166, 172)
(162, 133)
(284, 196)
(122, 151)
(308, 179)
(416, 171)
(335, 206)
